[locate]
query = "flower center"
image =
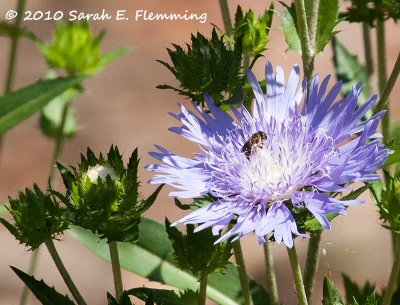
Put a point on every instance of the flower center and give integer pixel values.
(266, 172)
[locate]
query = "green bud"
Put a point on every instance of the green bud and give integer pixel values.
(103, 195)
(210, 66)
(74, 49)
(197, 252)
(252, 31)
(37, 218)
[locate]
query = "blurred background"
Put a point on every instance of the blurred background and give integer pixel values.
(121, 106)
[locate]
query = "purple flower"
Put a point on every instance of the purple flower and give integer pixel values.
(282, 156)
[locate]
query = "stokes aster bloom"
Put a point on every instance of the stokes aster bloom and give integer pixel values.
(263, 165)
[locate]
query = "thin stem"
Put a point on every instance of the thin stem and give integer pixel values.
(369, 63)
(56, 153)
(31, 270)
(64, 273)
(298, 280)
(226, 16)
(116, 269)
(394, 274)
(311, 263)
(271, 278)
(244, 281)
(312, 24)
(389, 85)
(12, 59)
(306, 46)
(14, 45)
(381, 54)
(58, 142)
(203, 289)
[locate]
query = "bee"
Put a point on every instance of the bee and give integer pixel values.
(253, 142)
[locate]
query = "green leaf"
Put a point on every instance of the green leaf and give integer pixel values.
(354, 292)
(395, 156)
(155, 254)
(165, 297)
(45, 294)
(331, 293)
(19, 105)
(327, 19)
(109, 57)
(289, 27)
(124, 300)
(52, 113)
(350, 71)
(3, 209)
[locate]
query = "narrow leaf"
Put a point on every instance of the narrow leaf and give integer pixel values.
(395, 156)
(51, 115)
(331, 293)
(327, 19)
(165, 297)
(45, 294)
(349, 70)
(3, 209)
(155, 254)
(19, 105)
(287, 17)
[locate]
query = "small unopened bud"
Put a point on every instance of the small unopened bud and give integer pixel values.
(100, 171)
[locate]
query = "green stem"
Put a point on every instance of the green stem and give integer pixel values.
(381, 54)
(116, 269)
(64, 273)
(56, 153)
(226, 16)
(311, 263)
(389, 85)
(394, 274)
(271, 278)
(244, 281)
(31, 270)
(14, 45)
(306, 45)
(312, 24)
(369, 63)
(298, 280)
(203, 289)
(58, 142)
(13, 56)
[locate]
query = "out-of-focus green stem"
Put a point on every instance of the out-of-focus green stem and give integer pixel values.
(116, 269)
(311, 263)
(369, 63)
(64, 273)
(58, 142)
(226, 16)
(244, 281)
(389, 85)
(203, 289)
(14, 47)
(381, 54)
(298, 280)
(31, 270)
(394, 274)
(271, 278)
(12, 58)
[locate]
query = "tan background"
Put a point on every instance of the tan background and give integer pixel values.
(121, 106)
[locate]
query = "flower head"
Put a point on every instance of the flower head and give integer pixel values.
(264, 166)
